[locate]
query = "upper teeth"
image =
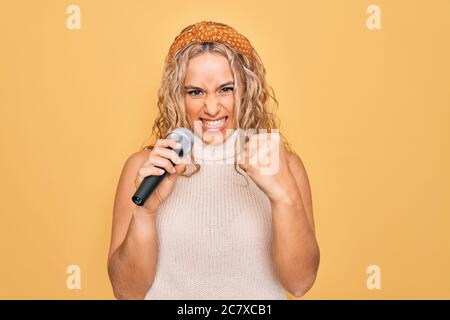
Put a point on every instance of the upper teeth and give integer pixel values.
(214, 124)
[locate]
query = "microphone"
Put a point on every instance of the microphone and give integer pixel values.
(148, 185)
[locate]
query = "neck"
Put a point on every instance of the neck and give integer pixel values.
(216, 150)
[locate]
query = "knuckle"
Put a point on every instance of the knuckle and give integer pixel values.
(155, 150)
(165, 153)
(175, 156)
(155, 170)
(167, 163)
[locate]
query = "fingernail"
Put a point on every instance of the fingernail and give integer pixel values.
(178, 145)
(174, 170)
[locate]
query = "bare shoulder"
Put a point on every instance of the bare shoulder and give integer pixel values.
(136, 159)
(133, 163)
(129, 171)
(138, 155)
(296, 165)
(123, 207)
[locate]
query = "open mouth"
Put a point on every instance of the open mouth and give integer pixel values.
(215, 125)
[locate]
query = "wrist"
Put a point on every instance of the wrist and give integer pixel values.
(286, 200)
(141, 211)
(288, 194)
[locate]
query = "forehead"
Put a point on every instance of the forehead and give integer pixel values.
(208, 68)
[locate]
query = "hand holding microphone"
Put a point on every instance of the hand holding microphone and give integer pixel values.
(156, 178)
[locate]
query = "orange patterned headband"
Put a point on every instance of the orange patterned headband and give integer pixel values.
(209, 31)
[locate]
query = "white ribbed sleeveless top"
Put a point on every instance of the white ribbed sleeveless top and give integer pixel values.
(214, 233)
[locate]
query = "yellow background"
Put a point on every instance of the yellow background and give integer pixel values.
(367, 111)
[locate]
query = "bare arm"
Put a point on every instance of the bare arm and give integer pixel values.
(133, 250)
(295, 250)
(132, 265)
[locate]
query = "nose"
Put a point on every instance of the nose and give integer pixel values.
(212, 107)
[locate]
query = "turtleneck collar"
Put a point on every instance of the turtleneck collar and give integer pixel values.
(220, 151)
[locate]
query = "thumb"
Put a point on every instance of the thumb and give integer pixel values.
(180, 168)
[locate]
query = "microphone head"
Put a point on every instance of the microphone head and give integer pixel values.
(183, 136)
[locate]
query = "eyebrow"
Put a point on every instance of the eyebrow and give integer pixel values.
(197, 88)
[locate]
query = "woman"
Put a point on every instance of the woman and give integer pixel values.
(203, 234)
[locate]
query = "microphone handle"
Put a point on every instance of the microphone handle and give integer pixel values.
(147, 186)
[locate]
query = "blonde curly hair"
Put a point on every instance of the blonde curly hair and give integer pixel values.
(252, 106)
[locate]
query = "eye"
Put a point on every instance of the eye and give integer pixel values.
(193, 92)
(226, 89)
